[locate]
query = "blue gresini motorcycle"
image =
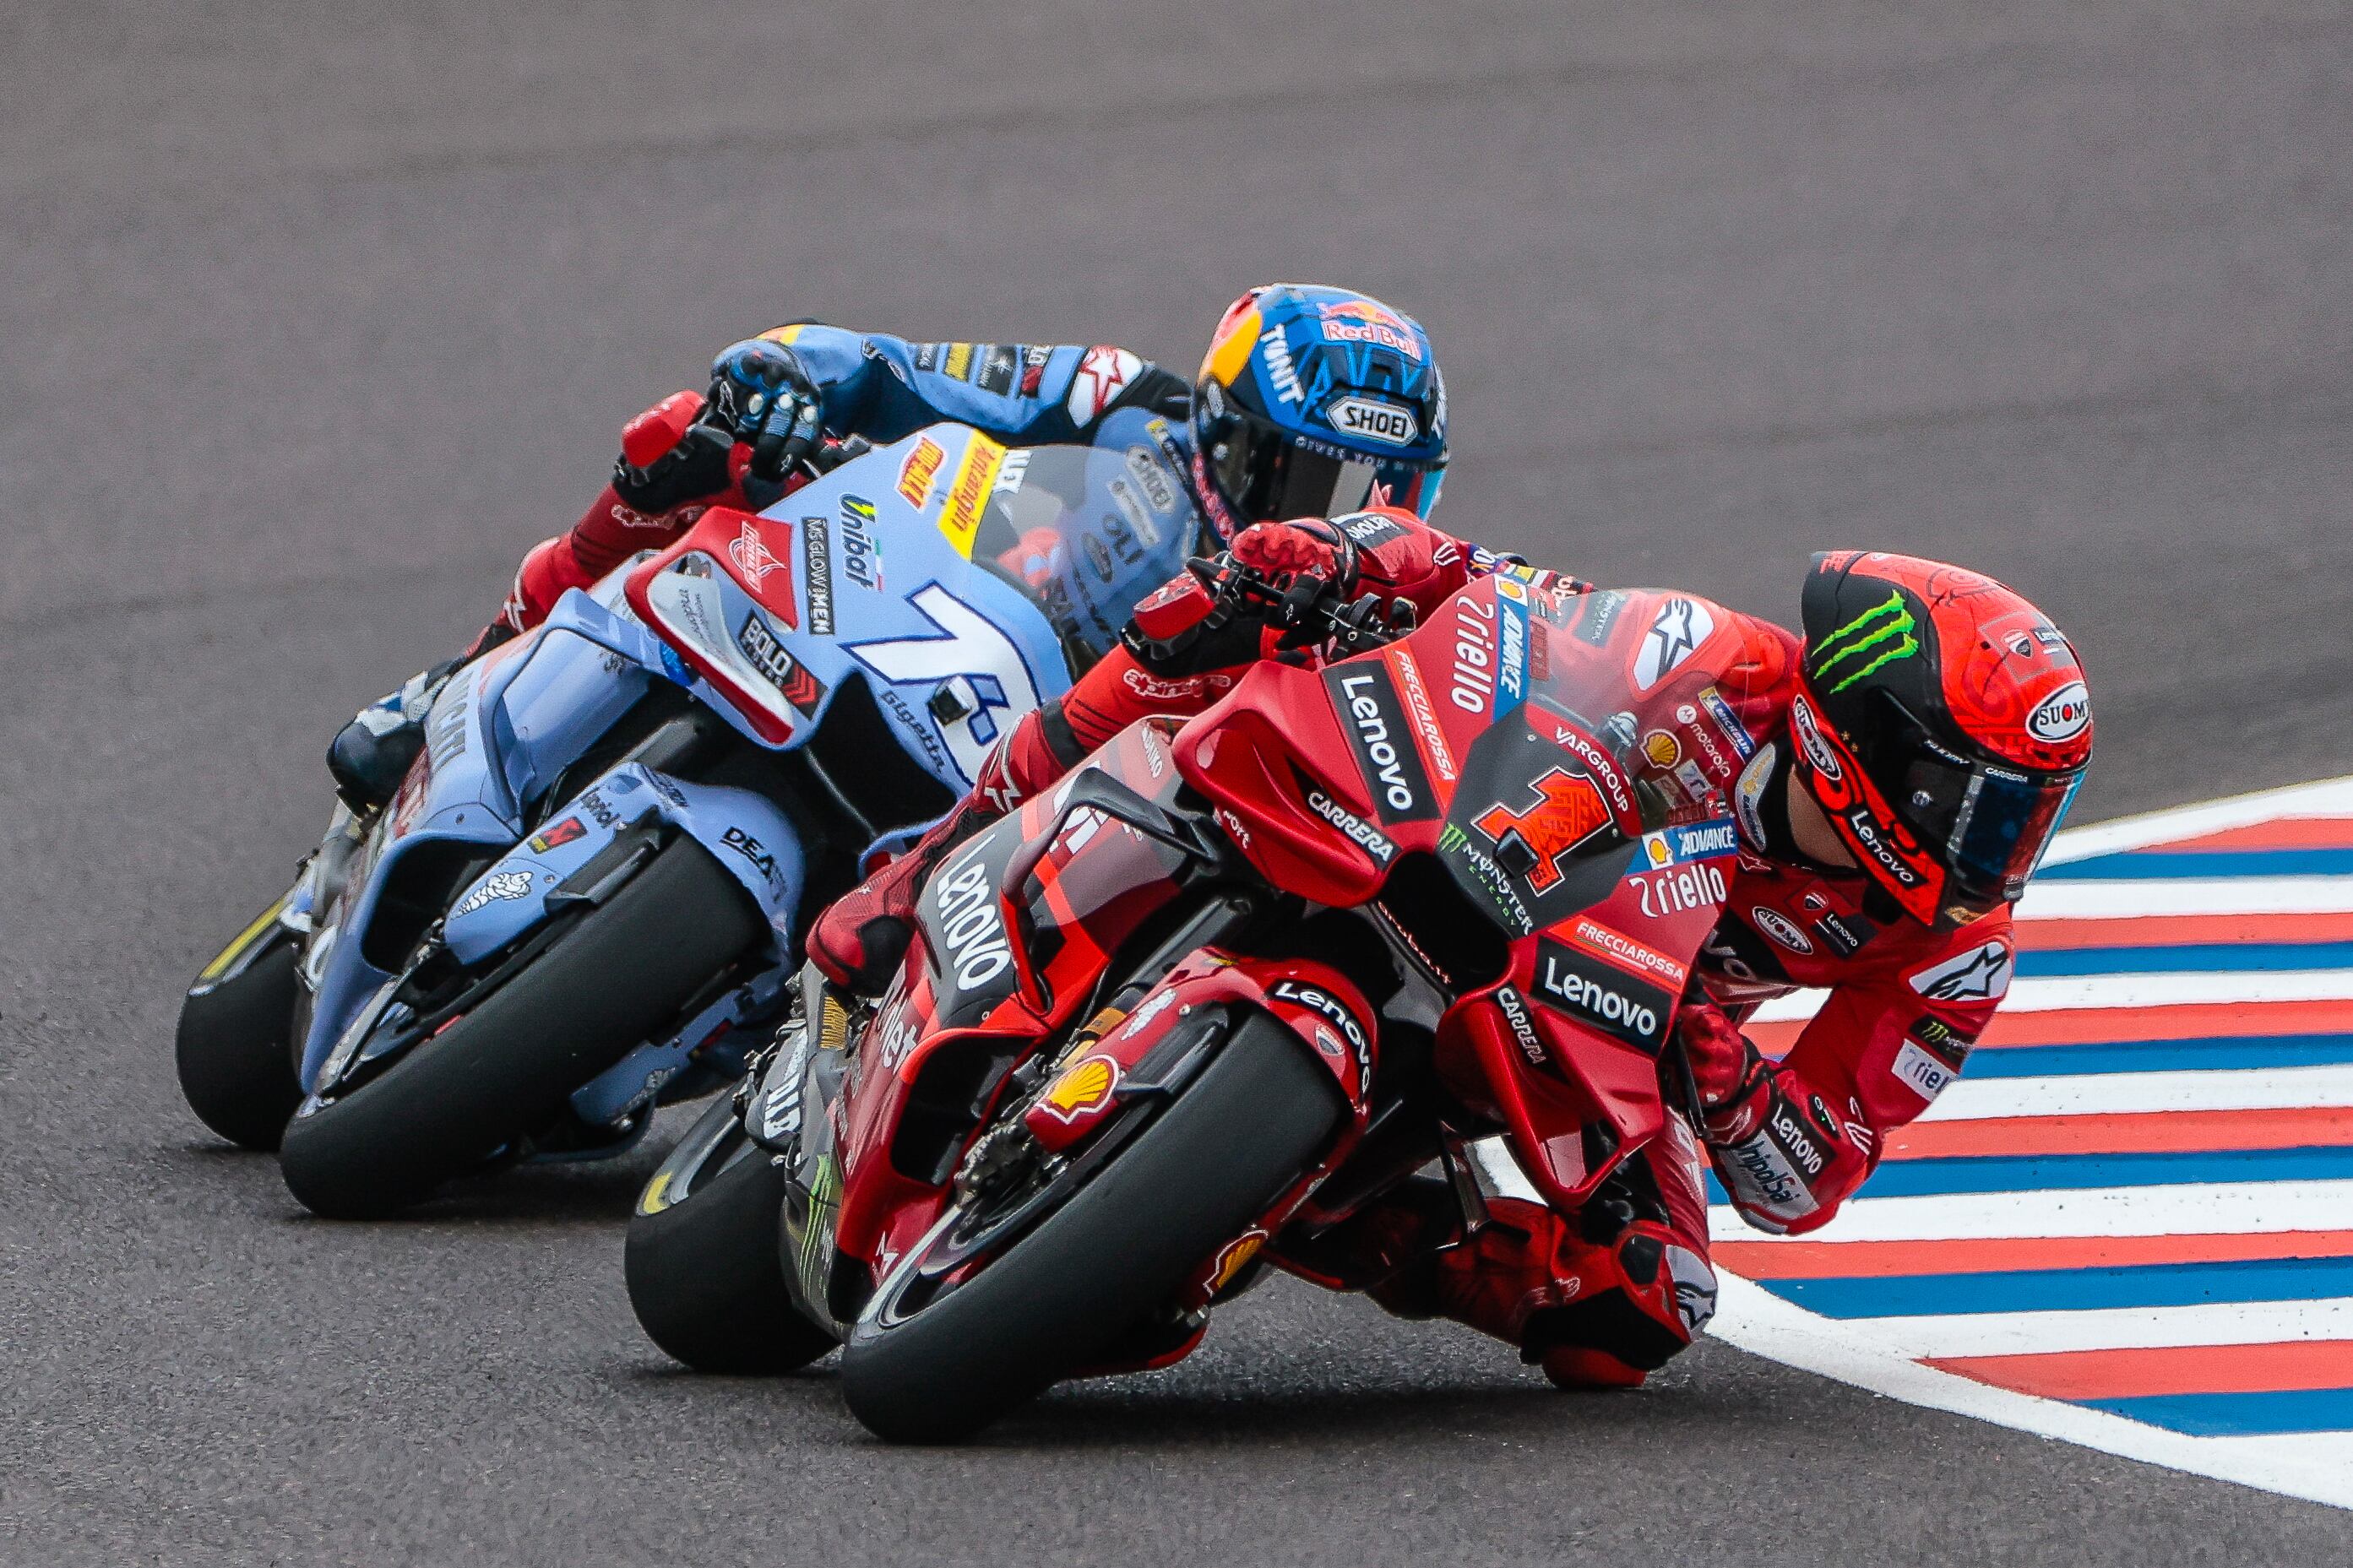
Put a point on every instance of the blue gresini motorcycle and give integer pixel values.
(587, 894)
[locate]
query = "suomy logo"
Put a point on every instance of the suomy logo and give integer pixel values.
(1880, 635)
(2062, 716)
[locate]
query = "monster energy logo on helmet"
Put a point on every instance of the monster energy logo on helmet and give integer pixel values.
(1879, 636)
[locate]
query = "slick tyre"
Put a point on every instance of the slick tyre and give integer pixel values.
(1122, 1245)
(506, 1067)
(237, 1067)
(700, 1260)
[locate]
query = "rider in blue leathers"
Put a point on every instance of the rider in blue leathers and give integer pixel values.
(1311, 402)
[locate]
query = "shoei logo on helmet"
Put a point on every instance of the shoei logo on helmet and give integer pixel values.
(1371, 421)
(2063, 715)
(1877, 637)
(1810, 739)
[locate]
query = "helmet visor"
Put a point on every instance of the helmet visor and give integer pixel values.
(1988, 823)
(1266, 477)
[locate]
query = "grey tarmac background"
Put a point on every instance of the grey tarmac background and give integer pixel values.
(315, 315)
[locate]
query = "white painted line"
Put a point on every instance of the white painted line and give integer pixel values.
(2129, 991)
(2131, 1094)
(2324, 797)
(2185, 896)
(1761, 1323)
(2188, 1208)
(2111, 1327)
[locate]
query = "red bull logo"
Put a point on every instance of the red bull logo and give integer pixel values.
(1365, 321)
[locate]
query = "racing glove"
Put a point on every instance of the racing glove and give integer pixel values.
(1785, 1157)
(684, 448)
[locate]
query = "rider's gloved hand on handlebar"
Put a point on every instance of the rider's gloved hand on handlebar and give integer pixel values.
(1284, 551)
(1724, 1064)
(684, 449)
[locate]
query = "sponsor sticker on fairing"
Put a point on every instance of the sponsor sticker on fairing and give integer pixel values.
(1749, 797)
(1616, 944)
(917, 471)
(1602, 995)
(497, 885)
(817, 564)
(1425, 717)
(1515, 1008)
(1355, 828)
(1367, 697)
(1726, 721)
(1681, 846)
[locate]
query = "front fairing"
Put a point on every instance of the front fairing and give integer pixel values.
(873, 573)
(1502, 739)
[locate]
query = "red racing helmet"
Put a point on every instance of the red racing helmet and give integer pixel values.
(1941, 722)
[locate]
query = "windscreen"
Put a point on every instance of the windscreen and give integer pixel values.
(1086, 531)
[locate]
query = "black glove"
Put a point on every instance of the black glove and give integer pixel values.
(759, 394)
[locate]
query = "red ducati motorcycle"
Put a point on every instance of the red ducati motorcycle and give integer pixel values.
(1417, 899)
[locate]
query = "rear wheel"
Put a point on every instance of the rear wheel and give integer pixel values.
(236, 1064)
(507, 1066)
(933, 1361)
(704, 1276)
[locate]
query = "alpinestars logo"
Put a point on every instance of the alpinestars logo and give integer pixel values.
(1980, 976)
(1676, 632)
(1879, 636)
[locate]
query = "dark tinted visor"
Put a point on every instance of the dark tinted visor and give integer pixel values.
(1989, 826)
(1266, 478)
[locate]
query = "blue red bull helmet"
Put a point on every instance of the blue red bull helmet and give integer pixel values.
(1315, 402)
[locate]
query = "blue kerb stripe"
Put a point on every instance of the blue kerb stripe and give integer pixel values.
(2071, 1290)
(2212, 1055)
(2201, 956)
(2238, 1414)
(2076, 1172)
(2147, 865)
(2049, 1173)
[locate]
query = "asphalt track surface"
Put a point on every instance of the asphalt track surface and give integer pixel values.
(314, 316)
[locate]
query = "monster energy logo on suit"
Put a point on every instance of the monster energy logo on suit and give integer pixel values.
(1866, 643)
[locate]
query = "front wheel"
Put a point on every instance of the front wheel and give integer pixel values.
(506, 1067)
(939, 1368)
(237, 1066)
(703, 1273)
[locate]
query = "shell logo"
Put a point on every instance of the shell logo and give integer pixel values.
(1234, 1257)
(1081, 1088)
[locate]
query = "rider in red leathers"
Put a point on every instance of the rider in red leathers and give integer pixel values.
(1895, 777)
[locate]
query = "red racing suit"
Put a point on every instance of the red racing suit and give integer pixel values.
(1602, 1297)
(1797, 1136)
